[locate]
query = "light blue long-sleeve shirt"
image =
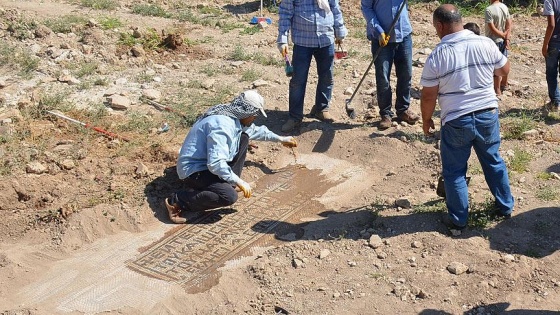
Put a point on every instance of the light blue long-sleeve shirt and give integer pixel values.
(212, 142)
(379, 15)
(310, 25)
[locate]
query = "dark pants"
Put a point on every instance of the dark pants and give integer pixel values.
(206, 190)
(399, 54)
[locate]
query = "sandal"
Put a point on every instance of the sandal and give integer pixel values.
(174, 212)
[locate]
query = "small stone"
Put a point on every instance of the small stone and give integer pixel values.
(508, 258)
(42, 31)
(208, 84)
(67, 164)
(142, 170)
(404, 203)
(138, 51)
(530, 134)
(324, 253)
(119, 102)
(375, 241)
(35, 168)
(259, 83)
(151, 94)
(298, 263)
(92, 23)
(457, 268)
(416, 244)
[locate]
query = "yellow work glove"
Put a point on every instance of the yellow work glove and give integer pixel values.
(288, 142)
(283, 48)
(245, 188)
(383, 39)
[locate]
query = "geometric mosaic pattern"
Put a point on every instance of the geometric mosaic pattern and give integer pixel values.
(191, 255)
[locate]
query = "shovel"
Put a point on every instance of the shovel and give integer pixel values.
(440, 190)
(350, 111)
(288, 67)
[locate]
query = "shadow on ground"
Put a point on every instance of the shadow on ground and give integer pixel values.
(162, 187)
(533, 233)
(496, 308)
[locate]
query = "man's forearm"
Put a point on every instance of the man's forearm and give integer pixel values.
(428, 102)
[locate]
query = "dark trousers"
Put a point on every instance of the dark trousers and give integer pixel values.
(205, 190)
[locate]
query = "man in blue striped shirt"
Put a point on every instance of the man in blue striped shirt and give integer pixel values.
(397, 49)
(315, 26)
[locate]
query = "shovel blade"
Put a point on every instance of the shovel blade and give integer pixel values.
(289, 70)
(350, 111)
(440, 190)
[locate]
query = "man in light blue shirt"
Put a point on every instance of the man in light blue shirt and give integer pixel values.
(212, 156)
(315, 26)
(397, 49)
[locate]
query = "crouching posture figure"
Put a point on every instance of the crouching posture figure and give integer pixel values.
(213, 154)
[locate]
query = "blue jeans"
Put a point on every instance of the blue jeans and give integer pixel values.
(301, 62)
(551, 60)
(207, 191)
(480, 130)
(401, 55)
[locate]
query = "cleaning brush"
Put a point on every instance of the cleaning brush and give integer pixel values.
(288, 68)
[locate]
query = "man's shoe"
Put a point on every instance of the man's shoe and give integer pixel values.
(552, 107)
(499, 214)
(290, 125)
(174, 212)
(324, 116)
(450, 224)
(385, 123)
(409, 116)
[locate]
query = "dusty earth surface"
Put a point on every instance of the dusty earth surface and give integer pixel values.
(348, 223)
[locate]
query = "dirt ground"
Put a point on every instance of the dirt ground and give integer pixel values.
(348, 223)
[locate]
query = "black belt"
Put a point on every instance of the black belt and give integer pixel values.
(480, 111)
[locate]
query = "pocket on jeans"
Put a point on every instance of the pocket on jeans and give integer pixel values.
(490, 132)
(454, 136)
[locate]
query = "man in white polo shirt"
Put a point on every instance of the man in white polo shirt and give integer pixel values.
(459, 73)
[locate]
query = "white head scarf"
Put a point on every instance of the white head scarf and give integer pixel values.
(248, 104)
